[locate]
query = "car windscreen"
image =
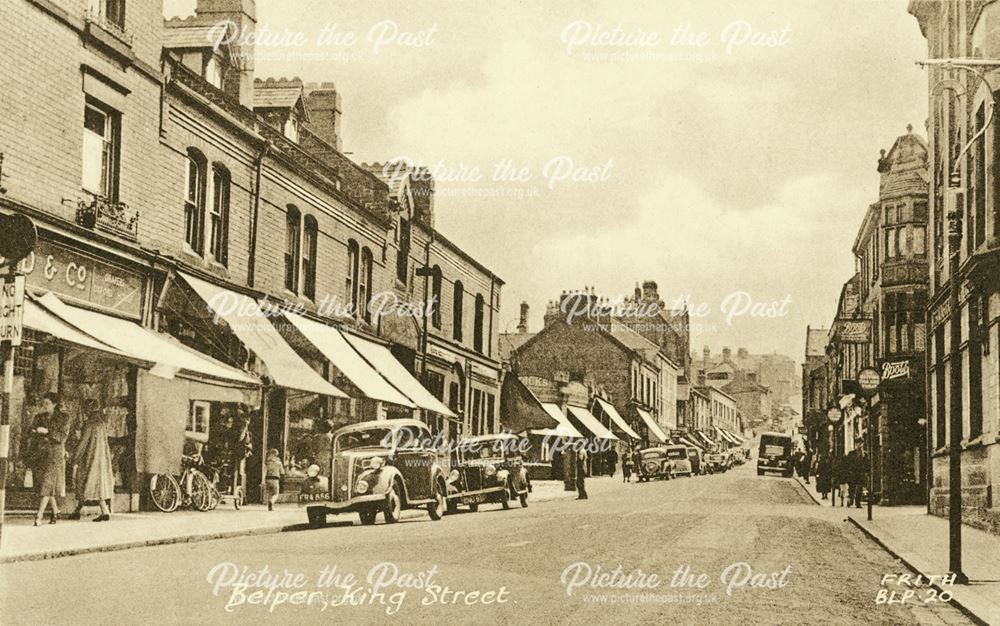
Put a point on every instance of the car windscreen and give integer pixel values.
(372, 437)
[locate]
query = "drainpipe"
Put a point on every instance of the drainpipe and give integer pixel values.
(255, 212)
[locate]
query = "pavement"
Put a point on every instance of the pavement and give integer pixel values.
(22, 541)
(920, 541)
(732, 548)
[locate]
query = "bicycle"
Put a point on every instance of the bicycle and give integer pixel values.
(194, 489)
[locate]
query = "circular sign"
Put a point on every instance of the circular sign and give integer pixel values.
(17, 237)
(869, 380)
(833, 414)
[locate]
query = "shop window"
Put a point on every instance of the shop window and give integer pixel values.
(436, 297)
(351, 283)
(456, 311)
(309, 249)
(194, 200)
(490, 414)
(477, 328)
(198, 421)
(218, 219)
(101, 142)
(293, 225)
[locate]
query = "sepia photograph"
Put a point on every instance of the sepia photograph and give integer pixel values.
(500, 312)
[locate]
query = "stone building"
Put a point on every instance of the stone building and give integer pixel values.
(960, 106)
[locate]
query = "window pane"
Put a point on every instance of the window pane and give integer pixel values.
(96, 121)
(93, 162)
(919, 235)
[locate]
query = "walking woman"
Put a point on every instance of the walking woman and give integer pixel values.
(823, 478)
(95, 479)
(49, 431)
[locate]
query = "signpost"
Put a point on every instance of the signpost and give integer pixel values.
(17, 240)
(869, 380)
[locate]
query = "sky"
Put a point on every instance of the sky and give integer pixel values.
(725, 150)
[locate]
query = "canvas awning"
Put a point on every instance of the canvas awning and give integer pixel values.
(244, 317)
(332, 344)
(37, 317)
(652, 426)
(379, 357)
(591, 423)
(167, 356)
(736, 438)
(616, 419)
(728, 436)
(708, 440)
(691, 443)
(564, 428)
(520, 410)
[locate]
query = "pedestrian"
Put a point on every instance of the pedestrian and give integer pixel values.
(95, 481)
(274, 470)
(823, 475)
(581, 471)
(612, 461)
(49, 429)
(841, 480)
(807, 464)
(858, 474)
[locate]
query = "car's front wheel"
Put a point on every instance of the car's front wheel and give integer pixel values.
(393, 504)
(474, 506)
(524, 500)
(436, 509)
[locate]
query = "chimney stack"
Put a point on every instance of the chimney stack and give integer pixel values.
(726, 353)
(649, 293)
(323, 109)
(242, 15)
(522, 327)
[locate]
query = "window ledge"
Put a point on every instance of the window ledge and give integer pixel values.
(117, 44)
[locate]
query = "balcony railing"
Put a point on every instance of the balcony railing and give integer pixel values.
(114, 217)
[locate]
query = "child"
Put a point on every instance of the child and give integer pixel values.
(272, 477)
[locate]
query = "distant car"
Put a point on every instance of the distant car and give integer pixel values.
(488, 468)
(775, 454)
(653, 463)
(715, 462)
(381, 466)
(680, 460)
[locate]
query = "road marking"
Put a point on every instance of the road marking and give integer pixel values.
(518, 544)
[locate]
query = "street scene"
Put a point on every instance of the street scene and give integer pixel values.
(442, 312)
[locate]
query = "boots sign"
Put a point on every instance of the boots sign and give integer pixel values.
(895, 369)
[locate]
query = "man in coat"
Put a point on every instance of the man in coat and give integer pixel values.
(581, 471)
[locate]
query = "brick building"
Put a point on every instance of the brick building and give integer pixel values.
(162, 173)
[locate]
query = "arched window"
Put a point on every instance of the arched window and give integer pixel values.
(194, 200)
(353, 254)
(456, 310)
(293, 241)
(310, 244)
(365, 284)
(436, 297)
(477, 329)
(218, 225)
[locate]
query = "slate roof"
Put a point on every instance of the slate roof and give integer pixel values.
(275, 97)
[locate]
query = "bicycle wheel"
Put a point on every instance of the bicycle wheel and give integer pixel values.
(164, 492)
(216, 498)
(201, 491)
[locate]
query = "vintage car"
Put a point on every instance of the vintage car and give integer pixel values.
(775, 454)
(382, 466)
(653, 463)
(680, 463)
(488, 468)
(715, 462)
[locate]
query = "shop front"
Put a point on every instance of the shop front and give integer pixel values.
(606, 461)
(901, 450)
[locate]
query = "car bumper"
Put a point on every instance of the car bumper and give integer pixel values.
(354, 504)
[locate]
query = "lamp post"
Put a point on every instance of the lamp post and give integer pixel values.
(869, 380)
(955, 382)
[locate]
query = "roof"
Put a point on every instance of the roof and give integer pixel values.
(189, 37)
(276, 97)
(816, 340)
(628, 337)
(393, 424)
(510, 342)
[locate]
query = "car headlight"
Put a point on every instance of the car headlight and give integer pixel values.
(376, 462)
(502, 475)
(312, 471)
(453, 475)
(489, 470)
(361, 486)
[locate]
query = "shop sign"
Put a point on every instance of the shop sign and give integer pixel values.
(854, 331)
(482, 370)
(58, 269)
(444, 354)
(12, 309)
(895, 369)
(869, 380)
